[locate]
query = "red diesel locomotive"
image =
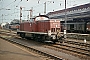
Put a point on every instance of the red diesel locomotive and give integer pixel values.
(14, 27)
(41, 28)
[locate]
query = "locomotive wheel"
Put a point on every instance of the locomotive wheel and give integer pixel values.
(22, 35)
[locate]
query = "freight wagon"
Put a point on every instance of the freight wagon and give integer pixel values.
(88, 27)
(41, 29)
(77, 27)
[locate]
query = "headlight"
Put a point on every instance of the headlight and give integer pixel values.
(53, 37)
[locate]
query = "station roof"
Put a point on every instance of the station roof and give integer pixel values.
(74, 12)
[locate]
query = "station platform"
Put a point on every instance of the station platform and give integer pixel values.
(9, 51)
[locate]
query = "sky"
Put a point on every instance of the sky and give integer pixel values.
(10, 9)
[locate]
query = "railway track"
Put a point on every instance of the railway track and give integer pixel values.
(76, 47)
(45, 54)
(50, 56)
(77, 43)
(73, 48)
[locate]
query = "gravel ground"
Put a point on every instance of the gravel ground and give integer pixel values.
(42, 48)
(10, 51)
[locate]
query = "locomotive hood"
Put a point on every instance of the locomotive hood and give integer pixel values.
(41, 17)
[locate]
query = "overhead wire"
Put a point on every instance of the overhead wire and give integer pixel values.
(17, 4)
(10, 9)
(7, 5)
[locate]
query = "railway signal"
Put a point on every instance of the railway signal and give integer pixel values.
(20, 13)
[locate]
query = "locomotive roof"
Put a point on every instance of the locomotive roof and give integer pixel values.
(49, 20)
(42, 16)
